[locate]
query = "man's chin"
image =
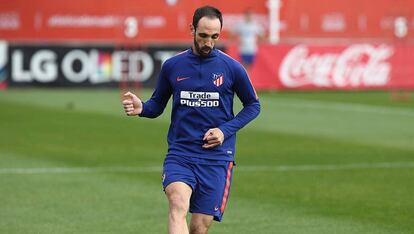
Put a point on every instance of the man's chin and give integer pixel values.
(205, 53)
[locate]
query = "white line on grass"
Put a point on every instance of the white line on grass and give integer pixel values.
(63, 170)
(145, 169)
(342, 106)
(331, 167)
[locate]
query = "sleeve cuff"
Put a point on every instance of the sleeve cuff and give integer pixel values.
(224, 131)
(142, 111)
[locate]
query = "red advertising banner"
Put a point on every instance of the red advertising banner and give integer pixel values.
(122, 21)
(350, 19)
(315, 67)
(167, 21)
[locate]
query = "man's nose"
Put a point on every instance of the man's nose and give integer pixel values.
(209, 42)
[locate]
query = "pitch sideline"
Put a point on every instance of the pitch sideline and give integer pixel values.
(248, 168)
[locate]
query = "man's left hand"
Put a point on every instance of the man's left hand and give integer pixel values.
(213, 138)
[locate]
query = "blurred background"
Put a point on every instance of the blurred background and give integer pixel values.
(331, 151)
(356, 44)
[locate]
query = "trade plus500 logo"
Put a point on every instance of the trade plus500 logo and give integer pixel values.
(199, 99)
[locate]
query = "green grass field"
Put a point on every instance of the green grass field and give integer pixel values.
(322, 162)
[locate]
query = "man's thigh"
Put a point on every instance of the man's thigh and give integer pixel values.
(178, 194)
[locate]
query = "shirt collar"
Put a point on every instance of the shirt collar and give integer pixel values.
(213, 53)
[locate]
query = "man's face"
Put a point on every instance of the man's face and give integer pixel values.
(206, 35)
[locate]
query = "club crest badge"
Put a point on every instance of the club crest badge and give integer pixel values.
(218, 79)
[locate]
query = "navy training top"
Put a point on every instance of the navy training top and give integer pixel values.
(203, 91)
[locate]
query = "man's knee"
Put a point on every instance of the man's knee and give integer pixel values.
(179, 198)
(178, 203)
(198, 229)
(200, 223)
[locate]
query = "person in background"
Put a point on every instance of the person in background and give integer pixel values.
(249, 33)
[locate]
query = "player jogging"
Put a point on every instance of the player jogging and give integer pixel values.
(202, 135)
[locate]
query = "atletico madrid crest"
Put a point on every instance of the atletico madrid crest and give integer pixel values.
(218, 79)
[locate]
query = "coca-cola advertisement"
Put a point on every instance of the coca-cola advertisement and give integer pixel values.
(355, 66)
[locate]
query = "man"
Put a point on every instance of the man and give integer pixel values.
(248, 32)
(201, 138)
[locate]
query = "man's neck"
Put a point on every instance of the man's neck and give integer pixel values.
(195, 50)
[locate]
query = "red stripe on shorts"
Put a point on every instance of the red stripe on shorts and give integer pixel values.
(226, 189)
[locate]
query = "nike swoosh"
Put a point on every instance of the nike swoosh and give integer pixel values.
(182, 78)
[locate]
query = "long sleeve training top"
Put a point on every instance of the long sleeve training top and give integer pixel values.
(203, 90)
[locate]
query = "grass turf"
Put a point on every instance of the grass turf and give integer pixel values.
(43, 128)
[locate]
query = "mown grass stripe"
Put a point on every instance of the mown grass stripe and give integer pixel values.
(282, 168)
(345, 107)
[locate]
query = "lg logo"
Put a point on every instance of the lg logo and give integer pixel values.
(42, 67)
(78, 65)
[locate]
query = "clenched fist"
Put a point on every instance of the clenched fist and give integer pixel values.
(132, 104)
(213, 137)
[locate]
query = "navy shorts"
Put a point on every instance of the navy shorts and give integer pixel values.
(210, 181)
(247, 58)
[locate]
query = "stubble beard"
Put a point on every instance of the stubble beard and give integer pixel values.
(203, 51)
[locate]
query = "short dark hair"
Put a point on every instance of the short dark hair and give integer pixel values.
(208, 11)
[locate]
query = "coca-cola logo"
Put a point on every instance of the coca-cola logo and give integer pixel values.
(358, 65)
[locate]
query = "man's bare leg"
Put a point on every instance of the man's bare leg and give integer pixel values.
(200, 223)
(178, 194)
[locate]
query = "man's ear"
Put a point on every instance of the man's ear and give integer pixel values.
(192, 29)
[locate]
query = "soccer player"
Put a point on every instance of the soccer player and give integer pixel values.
(249, 33)
(201, 139)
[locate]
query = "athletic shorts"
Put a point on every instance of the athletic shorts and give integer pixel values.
(210, 181)
(247, 58)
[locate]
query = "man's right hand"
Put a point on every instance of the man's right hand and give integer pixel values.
(132, 104)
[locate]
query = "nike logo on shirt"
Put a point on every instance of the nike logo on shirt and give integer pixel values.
(182, 78)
